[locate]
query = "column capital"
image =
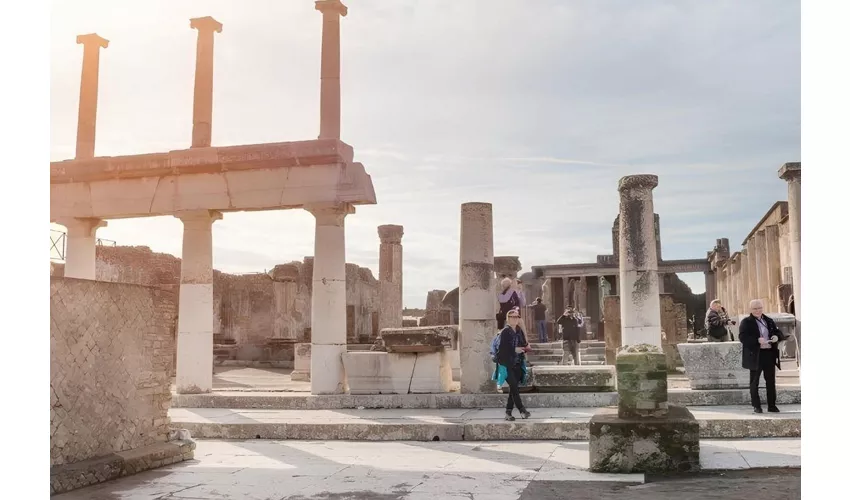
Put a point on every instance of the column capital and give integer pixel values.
(330, 214)
(390, 233)
(198, 216)
(205, 24)
(92, 39)
(790, 171)
(506, 264)
(85, 227)
(640, 181)
(331, 7)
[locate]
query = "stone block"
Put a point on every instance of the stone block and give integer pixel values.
(432, 372)
(574, 378)
(454, 359)
(647, 445)
(397, 373)
(714, 365)
(641, 381)
(303, 353)
(419, 339)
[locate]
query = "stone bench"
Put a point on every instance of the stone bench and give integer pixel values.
(572, 378)
(397, 373)
(714, 365)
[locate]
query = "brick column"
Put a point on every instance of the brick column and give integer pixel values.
(81, 247)
(390, 276)
(477, 322)
(87, 115)
(640, 306)
(328, 311)
(774, 267)
(202, 108)
(330, 103)
(195, 319)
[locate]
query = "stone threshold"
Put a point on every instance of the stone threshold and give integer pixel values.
(69, 477)
(786, 395)
(716, 422)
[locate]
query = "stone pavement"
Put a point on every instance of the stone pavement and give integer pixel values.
(455, 424)
(338, 470)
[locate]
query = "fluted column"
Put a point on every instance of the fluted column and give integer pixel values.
(87, 115)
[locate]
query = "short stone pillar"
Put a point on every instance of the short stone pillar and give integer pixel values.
(87, 117)
(477, 321)
(329, 100)
(81, 247)
(301, 368)
(791, 172)
(640, 306)
(641, 382)
(195, 316)
(390, 276)
(203, 100)
(328, 311)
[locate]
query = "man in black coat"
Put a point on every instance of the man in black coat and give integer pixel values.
(760, 338)
(570, 324)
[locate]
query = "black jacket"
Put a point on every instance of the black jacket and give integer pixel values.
(508, 342)
(748, 334)
(715, 324)
(570, 327)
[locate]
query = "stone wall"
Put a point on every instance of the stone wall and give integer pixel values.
(111, 351)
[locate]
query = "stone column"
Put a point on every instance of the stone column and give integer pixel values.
(328, 311)
(81, 247)
(195, 310)
(761, 266)
(390, 276)
(87, 117)
(477, 322)
(727, 282)
(710, 287)
(202, 108)
(752, 264)
(329, 125)
(582, 296)
(774, 267)
(790, 172)
(744, 297)
(720, 284)
(640, 305)
(734, 307)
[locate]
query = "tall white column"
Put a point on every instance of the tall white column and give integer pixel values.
(203, 100)
(390, 276)
(640, 305)
(195, 316)
(81, 247)
(477, 321)
(87, 115)
(329, 100)
(328, 312)
(791, 173)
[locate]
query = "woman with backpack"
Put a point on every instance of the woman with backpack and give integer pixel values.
(509, 366)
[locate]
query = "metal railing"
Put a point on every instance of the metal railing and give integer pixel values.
(59, 240)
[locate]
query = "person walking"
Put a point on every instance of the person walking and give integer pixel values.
(509, 367)
(508, 300)
(570, 324)
(539, 309)
(716, 321)
(760, 338)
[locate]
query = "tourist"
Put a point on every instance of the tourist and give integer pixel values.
(760, 338)
(716, 321)
(508, 365)
(570, 324)
(508, 300)
(539, 309)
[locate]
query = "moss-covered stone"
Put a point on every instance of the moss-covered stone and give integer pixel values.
(641, 381)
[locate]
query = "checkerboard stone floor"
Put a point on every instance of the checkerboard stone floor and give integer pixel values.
(338, 470)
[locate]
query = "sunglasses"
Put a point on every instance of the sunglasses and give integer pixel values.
(513, 315)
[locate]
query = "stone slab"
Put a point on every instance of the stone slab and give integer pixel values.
(649, 445)
(69, 477)
(456, 424)
(419, 338)
(397, 373)
(575, 378)
(714, 365)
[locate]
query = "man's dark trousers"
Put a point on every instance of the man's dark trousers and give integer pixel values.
(767, 365)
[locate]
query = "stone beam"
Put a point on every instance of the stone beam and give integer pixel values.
(87, 115)
(202, 108)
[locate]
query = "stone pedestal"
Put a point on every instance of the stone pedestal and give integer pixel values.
(398, 373)
(642, 381)
(477, 321)
(714, 365)
(301, 371)
(390, 276)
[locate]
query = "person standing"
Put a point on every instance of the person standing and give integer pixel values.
(570, 324)
(508, 299)
(716, 321)
(760, 338)
(508, 364)
(539, 309)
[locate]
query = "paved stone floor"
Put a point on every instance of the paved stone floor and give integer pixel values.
(530, 470)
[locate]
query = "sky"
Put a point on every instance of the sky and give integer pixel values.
(537, 107)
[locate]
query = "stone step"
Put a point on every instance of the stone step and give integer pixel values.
(544, 363)
(546, 345)
(733, 422)
(592, 363)
(594, 350)
(591, 357)
(558, 352)
(532, 358)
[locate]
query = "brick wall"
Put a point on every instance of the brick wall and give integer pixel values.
(111, 348)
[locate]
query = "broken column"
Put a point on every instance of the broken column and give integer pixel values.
(390, 276)
(329, 101)
(81, 247)
(195, 310)
(202, 108)
(791, 173)
(644, 433)
(87, 117)
(328, 311)
(477, 321)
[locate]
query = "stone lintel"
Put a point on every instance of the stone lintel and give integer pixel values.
(790, 171)
(206, 23)
(92, 39)
(390, 233)
(419, 339)
(332, 7)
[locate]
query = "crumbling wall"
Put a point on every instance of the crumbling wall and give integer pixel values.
(111, 351)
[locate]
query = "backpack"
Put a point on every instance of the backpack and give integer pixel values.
(494, 347)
